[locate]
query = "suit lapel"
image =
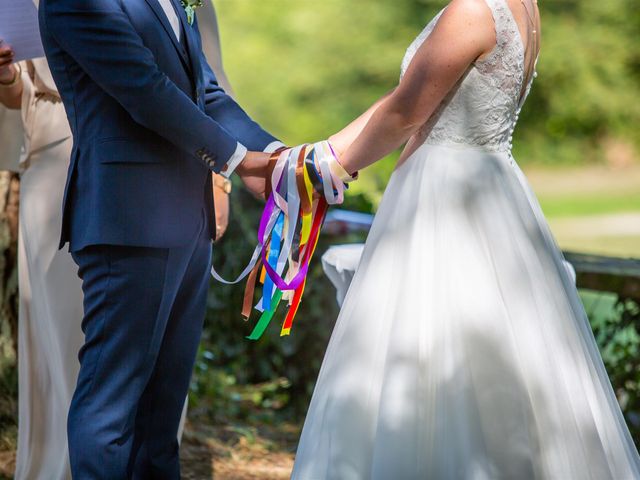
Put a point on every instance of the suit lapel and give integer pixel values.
(157, 9)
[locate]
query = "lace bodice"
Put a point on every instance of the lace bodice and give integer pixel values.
(483, 107)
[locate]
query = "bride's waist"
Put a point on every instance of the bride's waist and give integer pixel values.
(498, 148)
(464, 154)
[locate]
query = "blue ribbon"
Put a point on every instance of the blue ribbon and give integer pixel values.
(274, 253)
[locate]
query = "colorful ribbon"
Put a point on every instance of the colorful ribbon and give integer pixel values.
(289, 231)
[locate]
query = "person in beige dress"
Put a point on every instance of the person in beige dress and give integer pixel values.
(35, 140)
(50, 294)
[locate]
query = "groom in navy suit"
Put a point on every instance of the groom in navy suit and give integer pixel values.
(149, 123)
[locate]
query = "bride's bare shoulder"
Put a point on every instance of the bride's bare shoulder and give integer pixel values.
(471, 20)
(470, 13)
(476, 8)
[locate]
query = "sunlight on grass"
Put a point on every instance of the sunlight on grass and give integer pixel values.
(591, 208)
(625, 247)
(613, 202)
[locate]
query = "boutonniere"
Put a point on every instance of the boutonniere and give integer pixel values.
(190, 8)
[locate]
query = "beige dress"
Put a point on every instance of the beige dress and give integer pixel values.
(49, 334)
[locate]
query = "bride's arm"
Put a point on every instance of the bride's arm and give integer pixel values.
(464, 32)
(344, 138)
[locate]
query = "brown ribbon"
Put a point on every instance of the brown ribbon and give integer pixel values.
(247, 303)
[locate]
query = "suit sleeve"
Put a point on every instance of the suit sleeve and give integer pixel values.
(224, 109)
(98, 35)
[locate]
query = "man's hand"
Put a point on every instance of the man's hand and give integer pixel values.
(253, 171)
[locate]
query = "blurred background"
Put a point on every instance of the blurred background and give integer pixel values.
(304, 69)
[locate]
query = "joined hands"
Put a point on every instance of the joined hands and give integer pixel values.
(302, 182)
(323, 169)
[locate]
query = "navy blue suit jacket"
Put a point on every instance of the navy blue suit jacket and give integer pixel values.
(149, 122)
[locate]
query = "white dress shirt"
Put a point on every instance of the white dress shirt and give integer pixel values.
(241, 150)
(169, 11)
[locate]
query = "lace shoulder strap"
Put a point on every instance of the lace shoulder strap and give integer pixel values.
(509, 50)
(505, 24)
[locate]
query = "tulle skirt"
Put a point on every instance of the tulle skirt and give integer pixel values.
(462, 350)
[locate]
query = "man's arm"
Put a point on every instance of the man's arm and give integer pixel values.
(98, 35)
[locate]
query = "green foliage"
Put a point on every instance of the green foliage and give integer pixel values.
(305, 69)
(8, 405)
(588, 86)
(244, 380)
(618, 336)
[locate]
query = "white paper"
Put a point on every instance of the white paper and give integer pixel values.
(19, 28)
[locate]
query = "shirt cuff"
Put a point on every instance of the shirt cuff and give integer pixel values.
(273, 146)
(234, 161)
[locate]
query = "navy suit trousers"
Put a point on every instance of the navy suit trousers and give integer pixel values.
(144, 312)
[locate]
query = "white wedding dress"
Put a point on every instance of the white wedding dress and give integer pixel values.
(462, 350)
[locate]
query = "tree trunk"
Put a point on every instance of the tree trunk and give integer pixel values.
(9, 207)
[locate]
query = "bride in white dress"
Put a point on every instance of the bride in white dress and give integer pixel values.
(462, 350)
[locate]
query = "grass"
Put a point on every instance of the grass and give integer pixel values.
(596, 204)
(581, 203)
(625, 247)
(591, 208)
(238, 452)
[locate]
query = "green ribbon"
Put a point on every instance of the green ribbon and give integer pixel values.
(266, 317)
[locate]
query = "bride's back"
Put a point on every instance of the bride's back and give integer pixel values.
(483, 107)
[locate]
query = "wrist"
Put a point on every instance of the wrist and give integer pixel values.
(222, 183)
(252, 163)
(240, 169)
(337, 147)
(234, 162)
(340, 169)
(344, 173)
